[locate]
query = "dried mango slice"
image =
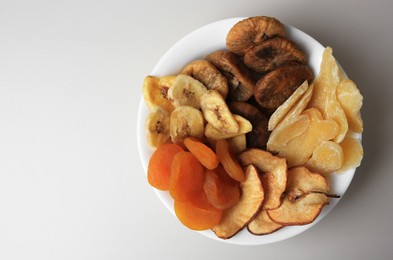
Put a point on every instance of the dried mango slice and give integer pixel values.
(326, 158)
(353, 153)
(300, 148)
(324, 95)
(351, 101)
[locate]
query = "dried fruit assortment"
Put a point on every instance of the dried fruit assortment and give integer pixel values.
(246, 137)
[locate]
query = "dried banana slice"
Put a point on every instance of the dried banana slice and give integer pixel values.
(186, 121)
(157, 126)
(217, 113)
(186, 91)
(155, 91)
(215, 134)
(208, 74)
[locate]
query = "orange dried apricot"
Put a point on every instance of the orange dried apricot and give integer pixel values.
(159, 168)
(202, 152)
(187, 176)
(227, 158)
(197, 218)
(221, 190)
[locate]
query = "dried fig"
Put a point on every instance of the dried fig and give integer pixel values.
(273, 53)
(259, 134)
(209, 75)
(240, 80)
(278, 85)
(250, 32)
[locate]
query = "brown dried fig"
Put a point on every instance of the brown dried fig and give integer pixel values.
(277, 86)
(209, 75)
(259, 134)
(250, 32)
(240, 80)
(273, 53)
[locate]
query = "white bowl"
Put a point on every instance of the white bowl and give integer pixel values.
(198, 44)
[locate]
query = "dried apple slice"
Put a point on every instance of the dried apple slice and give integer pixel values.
(301, 212)
(274, 177)
(305, 196)
(262, 224)
(236, 218)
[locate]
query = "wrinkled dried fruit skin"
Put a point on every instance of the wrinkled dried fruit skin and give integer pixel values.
(259, 134)
(278, 85)
(273, 53)
(241, 82)
(250, 32)
(209, 75)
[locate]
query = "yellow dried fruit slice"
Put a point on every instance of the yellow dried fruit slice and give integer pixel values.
(299, 107)
(155, 91)
(351, 101)
(353, 153)
(324, 95)
(300, 148)
(216, 133)
(282, 110)
(326, 158)
(281, 135)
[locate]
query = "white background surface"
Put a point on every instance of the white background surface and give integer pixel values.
(71, 182)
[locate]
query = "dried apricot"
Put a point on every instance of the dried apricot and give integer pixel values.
(159, 168)
(202, 152)
(227, 158)
(187, 176)
(221, 190)
(197, 218)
